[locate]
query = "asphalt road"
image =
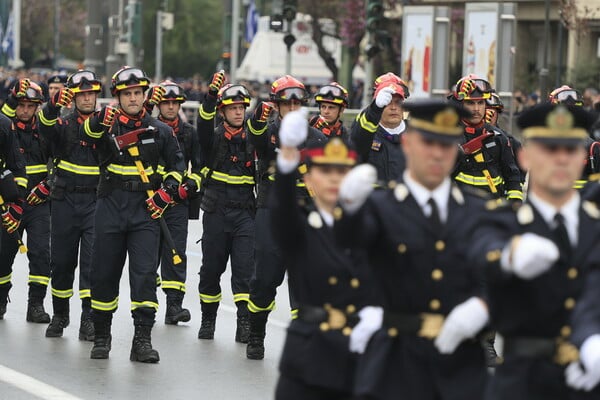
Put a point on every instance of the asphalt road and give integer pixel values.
(35, 367)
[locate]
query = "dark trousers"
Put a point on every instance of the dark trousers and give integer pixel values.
(228, 233)
(289, 388)
(173, 275)
(72, 234)
(123, 227)
(36, 221)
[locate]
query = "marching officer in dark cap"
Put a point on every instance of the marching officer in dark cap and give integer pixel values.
(416, 234)
(536, 261)
(55, 83)
(326, 280)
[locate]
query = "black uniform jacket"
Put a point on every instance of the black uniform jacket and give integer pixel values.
(321, 274)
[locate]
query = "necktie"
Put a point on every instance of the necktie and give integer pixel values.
(562, 237)
(434, 217)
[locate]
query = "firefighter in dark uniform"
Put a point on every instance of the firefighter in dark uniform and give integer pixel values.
(287, 94)
(377, 129)
(326, 280)
(536, 260)
(228, 203)
(126, 219)
(332, 100)
(21, 106)
(416, 234)
(487, 161)
(13, 186)
(169, 96)
(72, 191)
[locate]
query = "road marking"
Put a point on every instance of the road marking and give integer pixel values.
(32, 386)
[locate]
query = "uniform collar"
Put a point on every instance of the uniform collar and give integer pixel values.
(569, 211)
(395, 131)
(422, 195)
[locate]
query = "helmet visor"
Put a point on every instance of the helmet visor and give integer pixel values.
(568, 96)
(33, 95)
(483, 85)
(174, 92)
(331, 91)
(234, 94)
(78, 77)
(291, 93)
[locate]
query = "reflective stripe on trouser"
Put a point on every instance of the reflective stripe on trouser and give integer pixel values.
(36, 222)
(123, 227)
(173, 275)
(72, 235)
(228, 233)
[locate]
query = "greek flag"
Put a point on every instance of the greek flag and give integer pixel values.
(251, 22)
(8, 39)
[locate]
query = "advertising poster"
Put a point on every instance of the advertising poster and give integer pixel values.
(417, 41)
(481, 32)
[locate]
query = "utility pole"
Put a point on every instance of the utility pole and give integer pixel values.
(544, 70)
(115, 14)
(16, 61)
(56, 34)
(235, 40)
(289, 14)
(94, 36)
(164, 21)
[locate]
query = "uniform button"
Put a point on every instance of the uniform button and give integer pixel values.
(333, 280)
(337, 213)
(392, 332)
(435, 304)
(565, 331)
(493, 256)
(324, 326)
(572, 273)
(351, 309)
(569, 303)
(437, 274)
(347, 331)
(440, 245)
(355, 283)
(401, 248)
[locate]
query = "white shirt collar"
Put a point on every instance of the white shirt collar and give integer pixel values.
(569, 211)
(397, 130)
(422, 195)
(327, 217)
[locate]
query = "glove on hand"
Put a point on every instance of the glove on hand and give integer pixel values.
(357, 186)
(38, 194)
(384, 97)
(294, 128)
(371, 320)
(11, 217)
(158, 203)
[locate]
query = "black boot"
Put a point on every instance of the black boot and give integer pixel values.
(243, 329)
(208, 325)
(141, 349)
(60, 319)
(175, 312)
(86, 326)
(2, 309)
(36, 312)
(4, 289)
(102, 337)
(256, 336)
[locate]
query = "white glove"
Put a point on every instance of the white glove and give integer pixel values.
(371, 320)
(356, 187)
(531, 256)
(384, 97)
(463, 322)
(585, 375)
(294, 128)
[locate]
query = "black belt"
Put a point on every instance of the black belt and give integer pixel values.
(130, 186)
(328, 317)
(80, 189)
(558, 350)
(425, 325)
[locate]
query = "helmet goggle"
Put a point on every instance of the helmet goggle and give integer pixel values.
(332, 94)
(173, 92)
(235, 94)
(494, 102)
(468, 89)
(33, 95)
(290, 94)
(483, 85)
(567, 96)
(125, 77)
(84, 81)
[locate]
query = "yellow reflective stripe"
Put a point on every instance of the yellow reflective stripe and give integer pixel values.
(207, 298)
(174, 285)
(8, 111)
(231, 179)
(477, 180)
(256, 132)
(196, 178)
(298, 182)
(105, 306)
(21, 181)
(175, 175)
(158, 281)
(579, 183)
(255, 309)
(5, 279)
(63, 294)
(365, 123)
(294, 313)
(43, 280)
(143, 304)
(45, 121)
(88, 131)
(85, 293)
(514, 194)
(206, 115)
(128, 170)
(36, 169)
(161, 170)
(79, 169)
(241, 297)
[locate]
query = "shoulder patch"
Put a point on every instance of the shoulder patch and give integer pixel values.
(591, 209)
(314, 220)
(401, 192)
(525, 214)
(457, 195)
(376, 145)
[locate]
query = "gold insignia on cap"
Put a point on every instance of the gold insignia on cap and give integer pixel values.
(334, 152)
(446, 118)
(559, 119)
(401, 192)
(458, 196)
(591, 209)
(314, 220)
(525, 214)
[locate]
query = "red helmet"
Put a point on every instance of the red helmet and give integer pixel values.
(128, 77)
(173, 92)
(287, 88)
(390, 77)
(233, 94)
(332, 93)
(398, 89)
(565, 95)
(84, 81)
